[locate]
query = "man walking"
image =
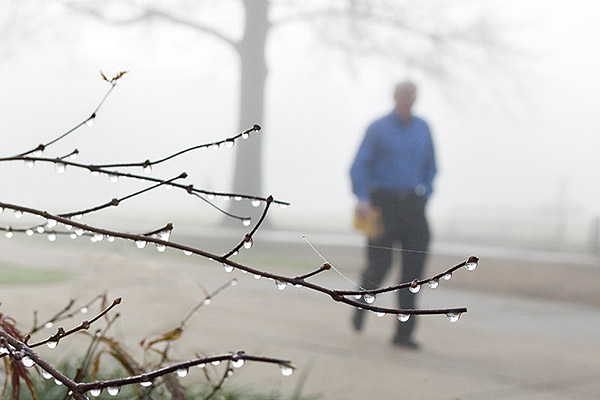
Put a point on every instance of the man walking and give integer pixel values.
(393, 172)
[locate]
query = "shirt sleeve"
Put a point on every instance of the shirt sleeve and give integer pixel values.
(360, 170)
(429, 164)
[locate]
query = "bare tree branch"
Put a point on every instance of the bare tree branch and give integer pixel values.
(149, 14)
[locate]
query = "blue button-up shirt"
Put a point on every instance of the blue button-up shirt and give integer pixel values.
(394, 156)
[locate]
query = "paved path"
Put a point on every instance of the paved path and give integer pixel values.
(514, 343)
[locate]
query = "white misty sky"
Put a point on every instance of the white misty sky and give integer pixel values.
(523, 142)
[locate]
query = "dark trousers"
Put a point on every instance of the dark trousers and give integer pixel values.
(405, 226)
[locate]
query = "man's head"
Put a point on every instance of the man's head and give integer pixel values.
(405, 94)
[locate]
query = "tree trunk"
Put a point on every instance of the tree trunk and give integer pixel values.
(247, 177)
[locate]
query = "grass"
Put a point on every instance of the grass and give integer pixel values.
(22, 275)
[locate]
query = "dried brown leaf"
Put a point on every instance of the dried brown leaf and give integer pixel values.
(96, 365)
(6, 375)
(31, 387)
(165, 337)
(118, 76)
(15, 382)
(121, 355)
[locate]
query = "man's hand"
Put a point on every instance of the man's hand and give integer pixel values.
(363, 208)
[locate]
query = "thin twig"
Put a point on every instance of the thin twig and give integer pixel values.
(150, 376)
(190, 189)
(248, 238)
(226, 142)
(115, 202)
(85, 325)
(43, 147)
(221, 382)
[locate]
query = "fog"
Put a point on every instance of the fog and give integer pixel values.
(516, 144)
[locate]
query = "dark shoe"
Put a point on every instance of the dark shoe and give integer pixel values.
(405, 343)
(358, 320)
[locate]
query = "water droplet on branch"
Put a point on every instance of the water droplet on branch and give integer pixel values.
(60, 167)
(237, 363)
(471, 266)
(113, 391)
(27, 362)
(403, 317)
(182, 373)
(286, 370)
(415, 289)
(453, 317)
(369, 298)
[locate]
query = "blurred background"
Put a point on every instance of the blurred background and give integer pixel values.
(508, 87)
